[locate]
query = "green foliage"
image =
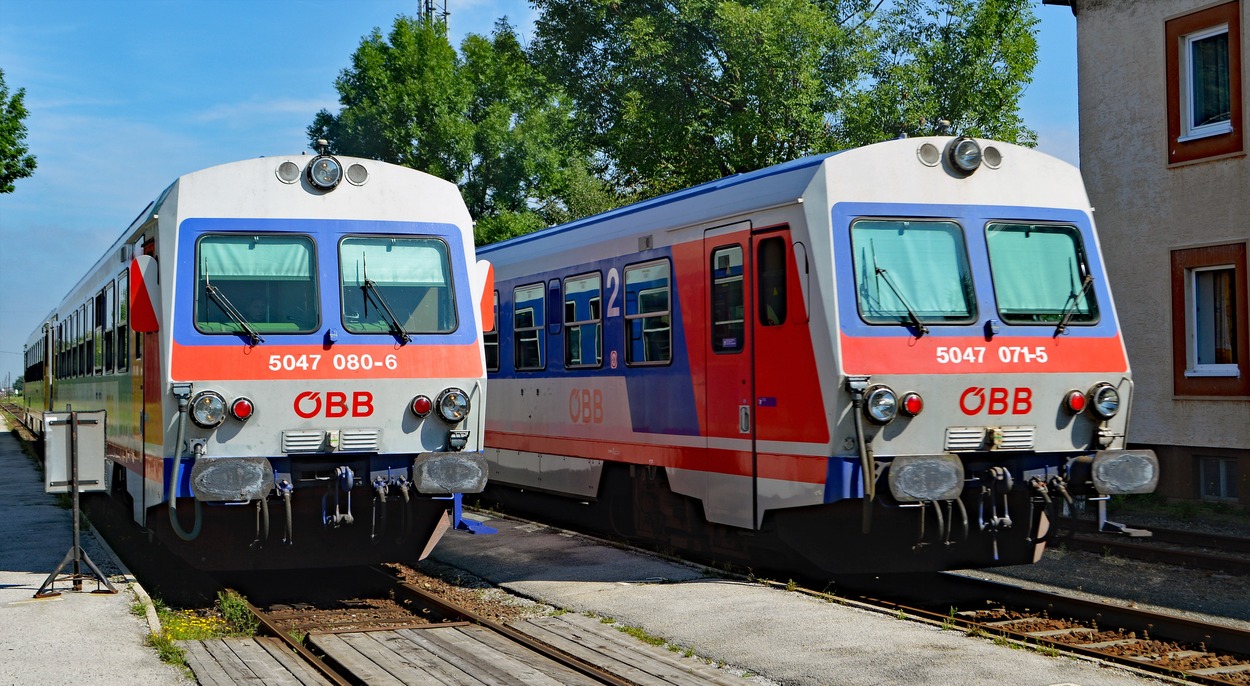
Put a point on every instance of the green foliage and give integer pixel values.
(483, 118)
(963, 61)
(15, 160)
(619, 101)
(235, 611)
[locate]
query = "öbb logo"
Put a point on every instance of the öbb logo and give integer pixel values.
(309, 404)
(999, 400)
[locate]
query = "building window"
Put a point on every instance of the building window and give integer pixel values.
(1218, 477)
(1204, 83)
(1210, 343)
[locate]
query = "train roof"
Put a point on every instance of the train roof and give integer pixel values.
(782, 191)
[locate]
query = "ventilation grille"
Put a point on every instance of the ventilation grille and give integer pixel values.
(977, 438)
(303, 441)
(359, 440)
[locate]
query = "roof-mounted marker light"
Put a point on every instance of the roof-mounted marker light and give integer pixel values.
(964, 154)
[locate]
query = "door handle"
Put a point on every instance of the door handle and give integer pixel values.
(744, 419)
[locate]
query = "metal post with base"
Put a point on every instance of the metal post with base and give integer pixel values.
(76, 554)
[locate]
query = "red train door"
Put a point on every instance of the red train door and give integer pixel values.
(729, 380)
(762, 394)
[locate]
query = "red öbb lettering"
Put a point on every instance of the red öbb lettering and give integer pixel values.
(310, 404)
(999, 401)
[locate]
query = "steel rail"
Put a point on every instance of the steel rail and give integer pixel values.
(448, 609)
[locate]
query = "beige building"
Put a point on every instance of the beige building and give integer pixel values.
(1163, 149)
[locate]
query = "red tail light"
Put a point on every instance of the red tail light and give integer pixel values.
(242, 408)
(421, 406)
(1075, 402)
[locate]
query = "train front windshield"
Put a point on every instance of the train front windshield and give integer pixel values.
(1040, 273)
(396, 284)
(916, 272)
(266, 283)
(911, 268)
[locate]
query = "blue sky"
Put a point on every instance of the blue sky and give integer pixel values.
(126, 95)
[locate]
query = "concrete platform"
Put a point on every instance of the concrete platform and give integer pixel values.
(785, 637)
(74, 638)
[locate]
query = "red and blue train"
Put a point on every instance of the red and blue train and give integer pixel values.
(289, 354)
(899, 357)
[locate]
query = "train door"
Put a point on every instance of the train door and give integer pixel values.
(762, 393)
(729, 497)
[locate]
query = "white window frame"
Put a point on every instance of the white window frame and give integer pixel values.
(1190, 132)
(1193, 368)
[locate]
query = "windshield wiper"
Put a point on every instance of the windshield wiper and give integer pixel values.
(915, 319)
(371, 291)
(228, 307)
(1073, 299)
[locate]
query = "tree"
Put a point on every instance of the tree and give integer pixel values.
(962, 61)
(676, 92)
(403, 102)
(15, 162)
(671, 93)
(484, 119)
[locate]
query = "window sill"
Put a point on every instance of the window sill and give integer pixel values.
(1222, 371)
(1215, 130)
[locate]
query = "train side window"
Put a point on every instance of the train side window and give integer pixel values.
(123, 321)
(97, 334)
(108, 315)
(728, 311)
(490, 340)
(86, 346)
(1039, 273)
(771, 264)
(647, 313)
(583, 316)
(529, 322)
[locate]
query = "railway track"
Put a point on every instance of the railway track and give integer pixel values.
(1158, 643)
(412, 636)
(1194, 550)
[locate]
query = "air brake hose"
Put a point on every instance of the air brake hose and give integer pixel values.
(866, 462)
(173, 481)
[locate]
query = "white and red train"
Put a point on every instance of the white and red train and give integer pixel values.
(288, 342)
(892, 358)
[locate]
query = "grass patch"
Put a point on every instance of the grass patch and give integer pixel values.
(641, 634)
(229, 618)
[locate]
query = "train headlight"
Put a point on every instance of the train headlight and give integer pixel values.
(964, 154)
(325, 172)
(242, 408)
(1104, 400)
(421, 405)
(926, 478)
(453, 405)
(208, 409)
(881, 404)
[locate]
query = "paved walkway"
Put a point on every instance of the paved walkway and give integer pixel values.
(786, 637)
(74, 638)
